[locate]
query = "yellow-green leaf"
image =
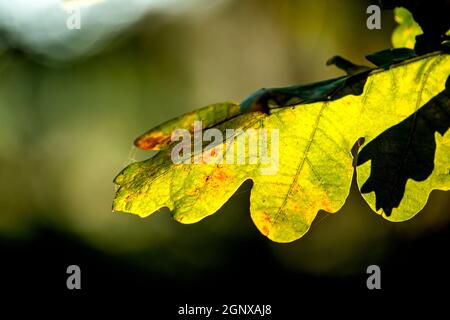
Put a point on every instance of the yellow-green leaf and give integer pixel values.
(404, 35)
(315, 163)
(159, 137)
(411, 158)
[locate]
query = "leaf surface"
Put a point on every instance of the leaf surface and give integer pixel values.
(404, 35)
(397, 110)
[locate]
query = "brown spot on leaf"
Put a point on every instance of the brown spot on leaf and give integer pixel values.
(325, 204)
(265, 230)
(208, 155)
(267, 222)
(152, 142)
(267, 218)
(221, 175)
(217, 178)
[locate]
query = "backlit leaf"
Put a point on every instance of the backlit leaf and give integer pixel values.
(404, 36)
(401, 112)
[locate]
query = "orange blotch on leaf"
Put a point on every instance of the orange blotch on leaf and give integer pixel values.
(325, 204)
(152, 142)
(267, 222)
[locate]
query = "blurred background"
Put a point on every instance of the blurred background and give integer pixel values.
(73, 100)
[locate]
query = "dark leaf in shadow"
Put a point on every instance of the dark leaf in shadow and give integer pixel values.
(386, 58)
(327, 90)
(405, 151)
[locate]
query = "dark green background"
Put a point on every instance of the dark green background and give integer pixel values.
(67, 129)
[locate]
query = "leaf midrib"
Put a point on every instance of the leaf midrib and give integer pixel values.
(301, 164)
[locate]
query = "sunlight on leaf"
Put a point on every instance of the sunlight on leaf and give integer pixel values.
(315, 154)
(404, 36)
